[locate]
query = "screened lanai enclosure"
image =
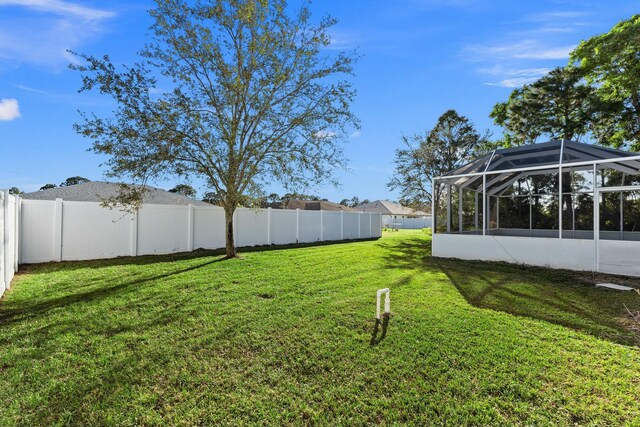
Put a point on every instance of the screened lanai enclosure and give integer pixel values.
(534, 205)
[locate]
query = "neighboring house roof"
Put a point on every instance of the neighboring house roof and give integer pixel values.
(316, 205)
(97, 191)
(386, 207)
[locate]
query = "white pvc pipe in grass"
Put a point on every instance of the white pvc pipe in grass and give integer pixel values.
(387, 302)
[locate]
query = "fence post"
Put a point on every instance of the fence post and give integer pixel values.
(190, 228)
(16, 237)
(321, 225)
(359, 225)
(57, 231)
(268, 226)
(297, 225)
(4, 201)
(341, 225)
(133, 234)
(370, 225)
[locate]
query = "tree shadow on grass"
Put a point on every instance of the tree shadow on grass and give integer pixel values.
(178, 256)
(9, 315)
(562, 297)
(98, 289)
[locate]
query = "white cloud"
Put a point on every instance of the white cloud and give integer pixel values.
(555, 29)
(560, 52)
(323, 134)
(513, 82)
(9, 109)
(536, 43)
(524, 49)
(553, 24)
(60, 25)
(557, 15)
(60, 7)
(500, 70)
(342, 40)
(514, 77)
(432, 4)
(356, 134)
(30, 89)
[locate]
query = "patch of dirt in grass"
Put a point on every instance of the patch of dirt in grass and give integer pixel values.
(265, 296)
(631, 319)
(594, 278)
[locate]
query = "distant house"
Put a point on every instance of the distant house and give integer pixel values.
(397, 216)
(316, 205)
(97, 191)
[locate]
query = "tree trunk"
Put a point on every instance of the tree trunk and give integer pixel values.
(230, 242)
(635, 102)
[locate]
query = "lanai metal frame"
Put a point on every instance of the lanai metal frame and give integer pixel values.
(493, 174)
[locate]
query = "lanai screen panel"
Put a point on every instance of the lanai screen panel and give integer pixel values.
(526, 195)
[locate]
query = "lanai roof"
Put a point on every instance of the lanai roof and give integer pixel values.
(547, 153)
(553, 154)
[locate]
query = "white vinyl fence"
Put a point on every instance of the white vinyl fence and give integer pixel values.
(9, 219)
(60, 230)
(389, 221)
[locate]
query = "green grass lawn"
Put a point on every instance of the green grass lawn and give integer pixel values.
(288, 336)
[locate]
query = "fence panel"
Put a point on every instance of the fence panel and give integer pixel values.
(11, 203)
(252, 227)
(9, 245)
(37, 232)
(90, 231)
(57, 230)
(365, 226)
(406, 223)
(376, 225)
(163, 229)
(331, 225)
(350, 226)
(309, 227)
(3, 269)
(208, 227)
(283, 227)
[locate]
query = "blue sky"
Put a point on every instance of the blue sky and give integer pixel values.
(420, 58)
